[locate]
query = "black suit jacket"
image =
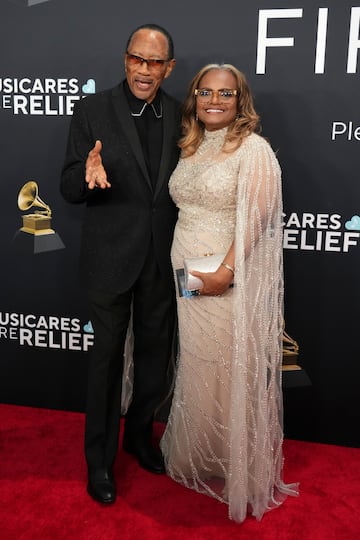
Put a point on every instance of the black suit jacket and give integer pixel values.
(120, 221)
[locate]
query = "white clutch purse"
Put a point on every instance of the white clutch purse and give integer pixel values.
(208, 263)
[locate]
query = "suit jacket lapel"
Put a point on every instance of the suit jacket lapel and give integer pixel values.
(168, 143)
(122, 110)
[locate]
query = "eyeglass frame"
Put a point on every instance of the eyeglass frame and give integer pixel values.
(234, 93)
(152, 63)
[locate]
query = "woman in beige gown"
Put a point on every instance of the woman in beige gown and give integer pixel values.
(224, 434)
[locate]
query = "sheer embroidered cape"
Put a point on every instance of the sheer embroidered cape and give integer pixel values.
(224, 435)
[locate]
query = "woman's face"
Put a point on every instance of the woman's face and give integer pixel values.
(214, 111)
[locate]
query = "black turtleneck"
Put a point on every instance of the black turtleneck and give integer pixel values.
(148, 121)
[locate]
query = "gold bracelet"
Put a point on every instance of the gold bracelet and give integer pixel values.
(228, 267)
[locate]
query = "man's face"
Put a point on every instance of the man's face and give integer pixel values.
(144, 81)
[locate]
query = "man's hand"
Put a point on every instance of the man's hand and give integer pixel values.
(95, 173)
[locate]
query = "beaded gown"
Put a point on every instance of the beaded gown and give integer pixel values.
(224, 434)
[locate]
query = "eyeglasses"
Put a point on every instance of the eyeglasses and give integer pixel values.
(152, 63)
(205, 95)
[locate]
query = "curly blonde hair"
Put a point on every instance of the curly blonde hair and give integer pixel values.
(247, 120)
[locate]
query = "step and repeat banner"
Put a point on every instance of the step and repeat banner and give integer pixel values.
(302, 59)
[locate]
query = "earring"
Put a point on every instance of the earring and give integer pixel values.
(197, 117)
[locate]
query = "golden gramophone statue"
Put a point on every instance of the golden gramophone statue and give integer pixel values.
(36, 225)
(290, 352)
(39, 222)
(294, 375)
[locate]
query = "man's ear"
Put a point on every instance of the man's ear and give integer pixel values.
(170, 67)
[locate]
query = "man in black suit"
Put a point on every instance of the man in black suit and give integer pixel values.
(121, 151)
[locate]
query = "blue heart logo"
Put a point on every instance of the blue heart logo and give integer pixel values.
(88, 328)
(353, 224)
(89, 87)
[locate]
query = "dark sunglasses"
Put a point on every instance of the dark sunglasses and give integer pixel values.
(152, 63)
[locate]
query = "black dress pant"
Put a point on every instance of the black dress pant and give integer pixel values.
(153, 306)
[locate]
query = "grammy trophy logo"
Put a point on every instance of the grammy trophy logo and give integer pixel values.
(39, 221)
(36, 234)
(29, 3)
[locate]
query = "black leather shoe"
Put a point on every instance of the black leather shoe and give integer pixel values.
(101, 487)
(148, 457)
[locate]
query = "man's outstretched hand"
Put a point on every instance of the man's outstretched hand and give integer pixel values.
(95, 174)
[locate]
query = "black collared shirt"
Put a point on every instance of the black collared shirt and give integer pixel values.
(148, 121)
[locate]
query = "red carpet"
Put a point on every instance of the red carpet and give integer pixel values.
(43, 497)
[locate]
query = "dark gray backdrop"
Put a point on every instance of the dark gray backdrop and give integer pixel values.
(50, 49)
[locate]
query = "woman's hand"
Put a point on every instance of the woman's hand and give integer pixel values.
(215, 283)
